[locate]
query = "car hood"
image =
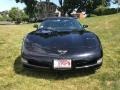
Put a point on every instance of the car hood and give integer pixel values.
(73, 42)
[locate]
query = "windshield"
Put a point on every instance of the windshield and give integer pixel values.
(61, 24)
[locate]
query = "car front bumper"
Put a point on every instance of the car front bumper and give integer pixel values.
(49, 65)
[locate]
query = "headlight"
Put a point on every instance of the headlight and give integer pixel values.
(24, 60)
(99, 61)
(30, 47)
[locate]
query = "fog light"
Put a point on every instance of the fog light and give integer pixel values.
(24, 60)
(99, 61)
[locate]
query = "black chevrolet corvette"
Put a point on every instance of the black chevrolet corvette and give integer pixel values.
(61, 43)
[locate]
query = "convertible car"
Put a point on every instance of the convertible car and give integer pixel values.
(61, 43)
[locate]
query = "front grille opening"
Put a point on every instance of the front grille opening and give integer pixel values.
(83, 63)
(37, 63)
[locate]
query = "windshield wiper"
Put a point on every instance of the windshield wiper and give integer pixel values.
(46, 30)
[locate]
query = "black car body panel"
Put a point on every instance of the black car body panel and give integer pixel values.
(41, 47)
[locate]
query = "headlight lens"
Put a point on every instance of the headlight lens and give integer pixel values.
(30, 47)
(99, 61)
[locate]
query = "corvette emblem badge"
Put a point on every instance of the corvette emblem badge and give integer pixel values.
(62, 51)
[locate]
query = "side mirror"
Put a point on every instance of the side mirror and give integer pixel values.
(41, 20)
(85, 26)
(35, 26)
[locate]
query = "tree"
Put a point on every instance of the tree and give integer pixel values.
(24, 17)
(17, 15)
(82, 5)
(61, 2)
(30, 6)
(117, 2)
(67, 6)
(4, 16)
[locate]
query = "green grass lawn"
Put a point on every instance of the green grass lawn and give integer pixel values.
(14, 77)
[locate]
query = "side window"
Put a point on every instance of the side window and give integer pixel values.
(78, 22)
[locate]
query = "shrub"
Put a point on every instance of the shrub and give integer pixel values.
(104, 11)
(18, 15)
(4, 18)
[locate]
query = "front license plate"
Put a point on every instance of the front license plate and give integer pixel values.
(62, 63)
